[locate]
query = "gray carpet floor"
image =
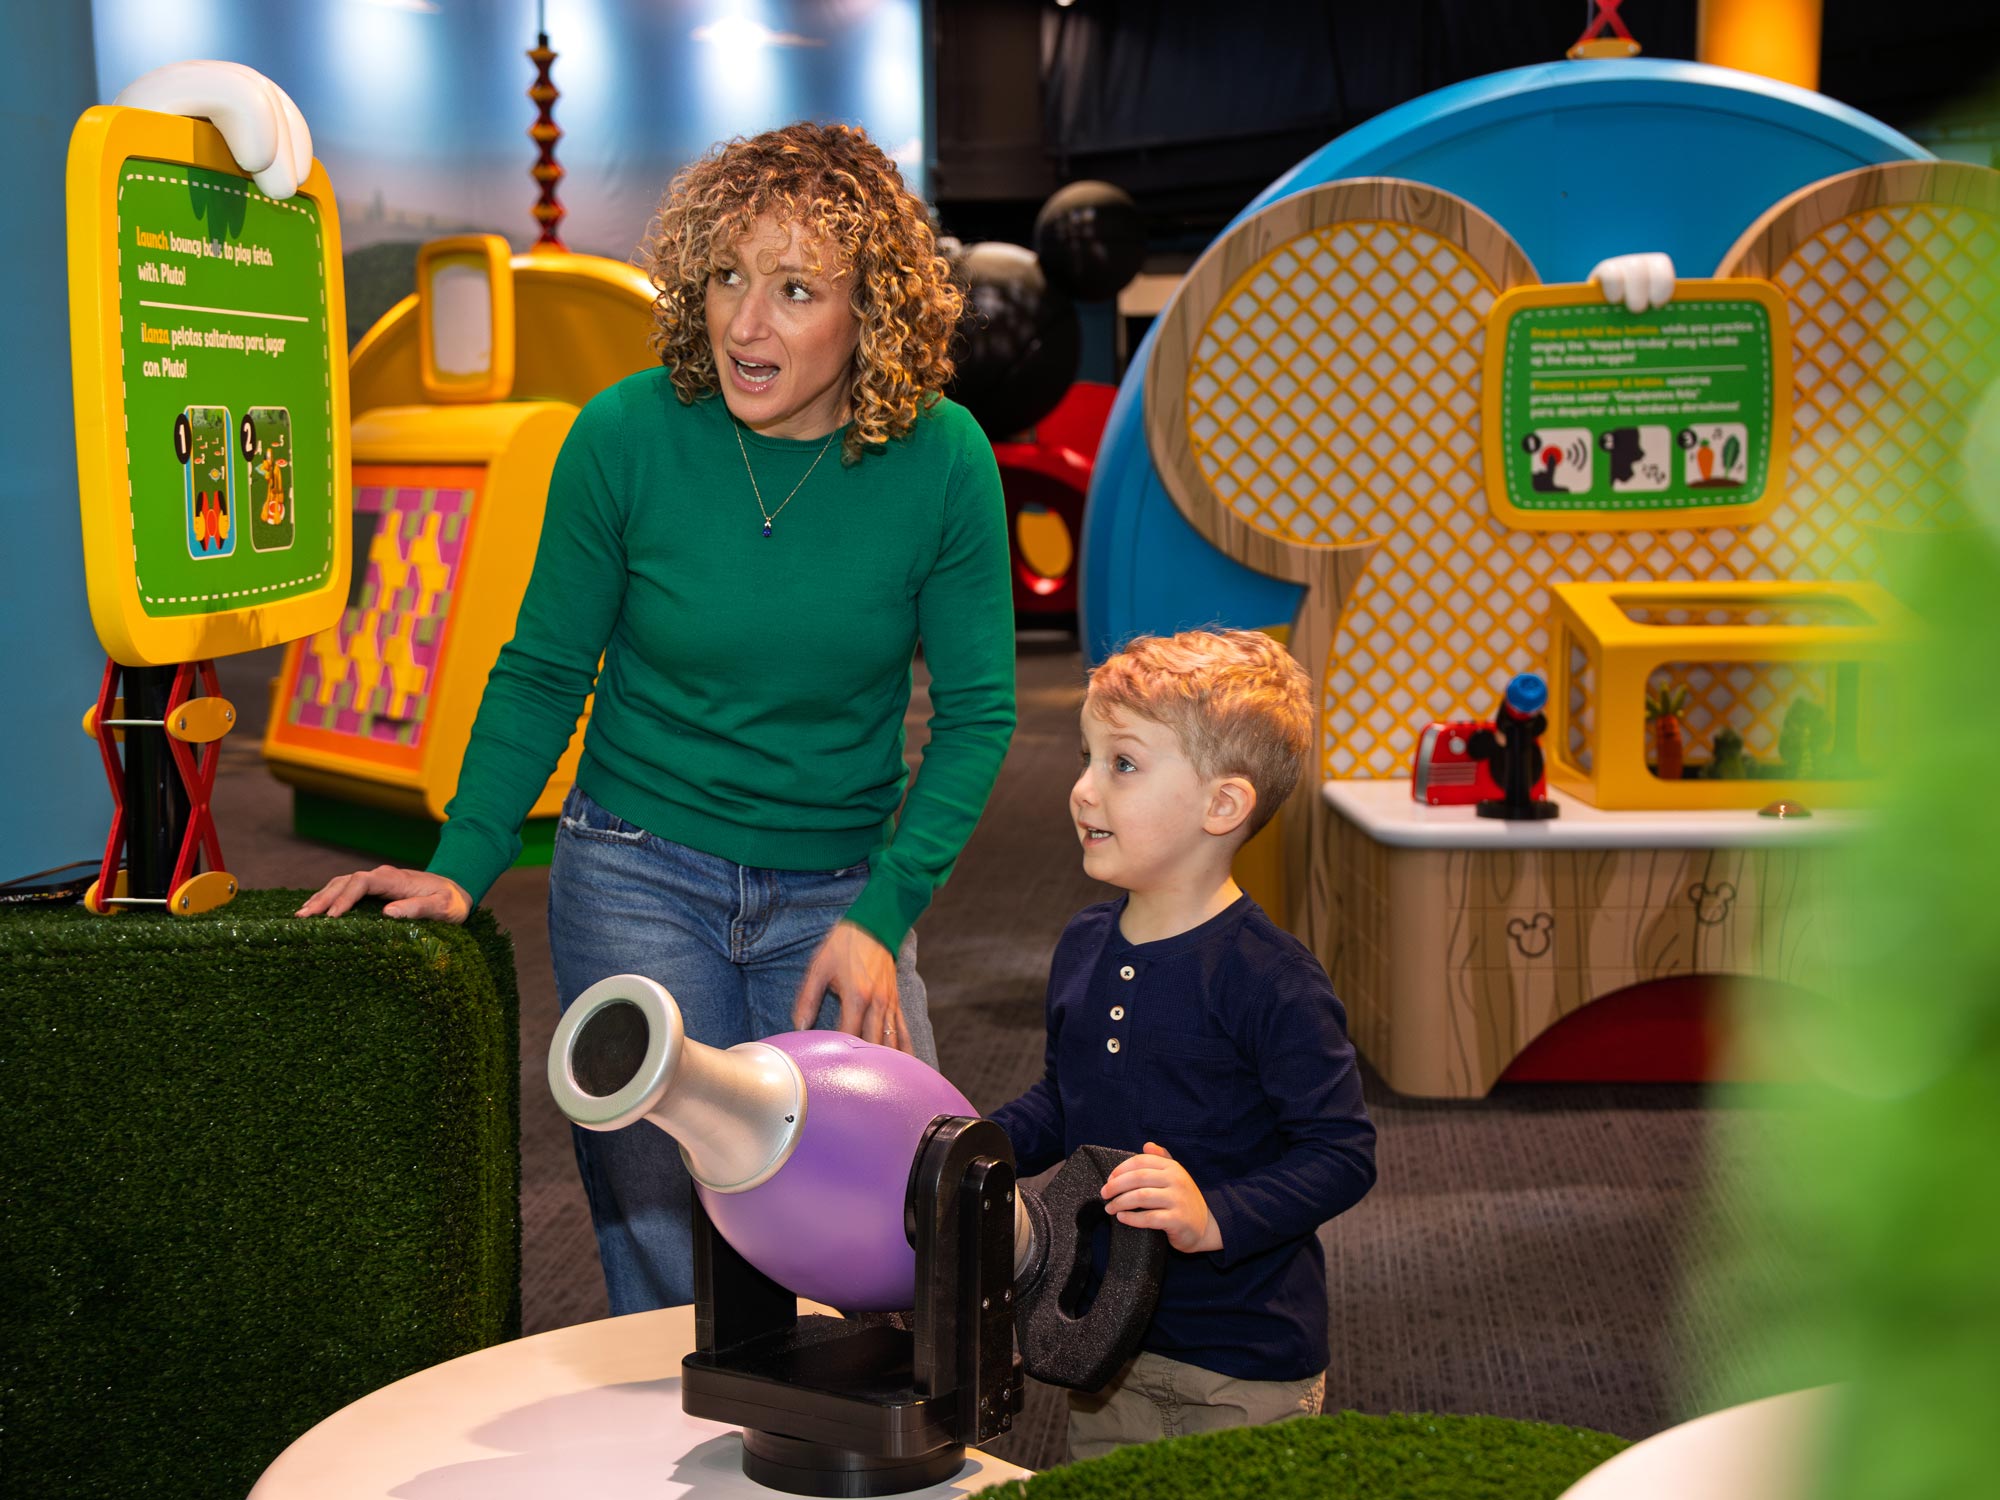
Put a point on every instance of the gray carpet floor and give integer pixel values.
(1520, 1256)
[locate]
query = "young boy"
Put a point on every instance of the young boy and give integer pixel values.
(1183, 1023)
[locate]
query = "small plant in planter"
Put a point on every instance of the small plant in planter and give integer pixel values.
(1805, 741)
(1663, 713)
(1727, 761)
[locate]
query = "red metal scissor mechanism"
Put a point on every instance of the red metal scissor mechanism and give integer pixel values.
(192, 726)
(1594, 43)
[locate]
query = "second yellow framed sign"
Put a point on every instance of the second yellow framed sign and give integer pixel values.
(1597, 418)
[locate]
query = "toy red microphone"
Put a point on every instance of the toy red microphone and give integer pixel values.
(1444, 774)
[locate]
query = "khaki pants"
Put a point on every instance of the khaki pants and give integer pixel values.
(1156, 1397)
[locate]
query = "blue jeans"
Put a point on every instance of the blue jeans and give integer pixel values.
(731, 943)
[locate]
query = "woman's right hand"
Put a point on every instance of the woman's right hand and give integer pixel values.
(411, 893)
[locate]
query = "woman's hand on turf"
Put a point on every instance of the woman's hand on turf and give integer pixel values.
(1153, 1191)
(410, 893)
(853, 964)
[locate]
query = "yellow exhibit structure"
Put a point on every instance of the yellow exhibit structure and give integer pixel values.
(1719, 694)
(206, 332)
(464, 393)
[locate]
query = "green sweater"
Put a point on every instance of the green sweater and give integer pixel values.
(753, 688)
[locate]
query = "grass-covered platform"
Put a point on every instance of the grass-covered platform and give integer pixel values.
(253, 1169)
(1346, 1456)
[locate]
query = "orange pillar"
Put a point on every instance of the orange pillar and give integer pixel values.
(1777, 38)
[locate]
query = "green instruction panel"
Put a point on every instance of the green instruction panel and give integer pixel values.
(1679, 410)
(228, 390)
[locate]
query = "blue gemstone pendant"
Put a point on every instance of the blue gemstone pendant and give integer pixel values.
(767, 528)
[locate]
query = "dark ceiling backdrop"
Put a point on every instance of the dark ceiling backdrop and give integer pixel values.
(1194, 106)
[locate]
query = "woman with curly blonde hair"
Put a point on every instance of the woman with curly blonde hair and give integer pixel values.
(756, 600)
(857, 225)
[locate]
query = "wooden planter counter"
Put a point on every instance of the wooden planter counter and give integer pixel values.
(1456, 940)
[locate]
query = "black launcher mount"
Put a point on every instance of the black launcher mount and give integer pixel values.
(864, 1406)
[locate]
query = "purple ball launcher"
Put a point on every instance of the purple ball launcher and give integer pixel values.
(800, 1145)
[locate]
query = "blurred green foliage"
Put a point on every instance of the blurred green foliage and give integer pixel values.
(1860, 1241)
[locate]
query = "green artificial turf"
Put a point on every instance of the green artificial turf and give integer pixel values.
(1345, 1456)
(254, 1168)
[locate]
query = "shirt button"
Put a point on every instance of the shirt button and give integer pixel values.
(1127, 972)
(1117, 1012)
(1112, 1045)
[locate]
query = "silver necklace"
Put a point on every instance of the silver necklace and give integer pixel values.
(772, 515)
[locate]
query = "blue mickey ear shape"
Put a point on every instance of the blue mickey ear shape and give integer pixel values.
(1527, 693)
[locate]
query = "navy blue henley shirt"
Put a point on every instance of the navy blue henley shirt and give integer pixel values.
(1226, 1045)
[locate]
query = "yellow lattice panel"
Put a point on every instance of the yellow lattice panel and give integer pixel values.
(1322, 392)
(1351, 429)
(1894, 336)
(1336, 432)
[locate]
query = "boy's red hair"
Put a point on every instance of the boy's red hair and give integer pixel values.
(1235, 699)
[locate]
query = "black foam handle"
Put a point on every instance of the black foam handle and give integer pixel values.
(1058, 1346)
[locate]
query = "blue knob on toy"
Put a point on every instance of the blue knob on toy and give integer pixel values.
(1527, 693)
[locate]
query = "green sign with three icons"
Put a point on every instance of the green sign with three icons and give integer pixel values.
(1599, 418)
(228, 389)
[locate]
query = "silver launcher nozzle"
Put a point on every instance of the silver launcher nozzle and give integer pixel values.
(621, 1054)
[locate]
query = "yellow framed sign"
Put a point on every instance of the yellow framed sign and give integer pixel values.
(1596, 418)
(209, 352)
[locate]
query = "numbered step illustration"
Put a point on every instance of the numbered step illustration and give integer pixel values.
(1559, 459)
(202, 444)
(1641, 458)
(1715, 455)
(265, 438)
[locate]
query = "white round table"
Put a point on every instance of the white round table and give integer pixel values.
(592, 1410)
(1761, 1450)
